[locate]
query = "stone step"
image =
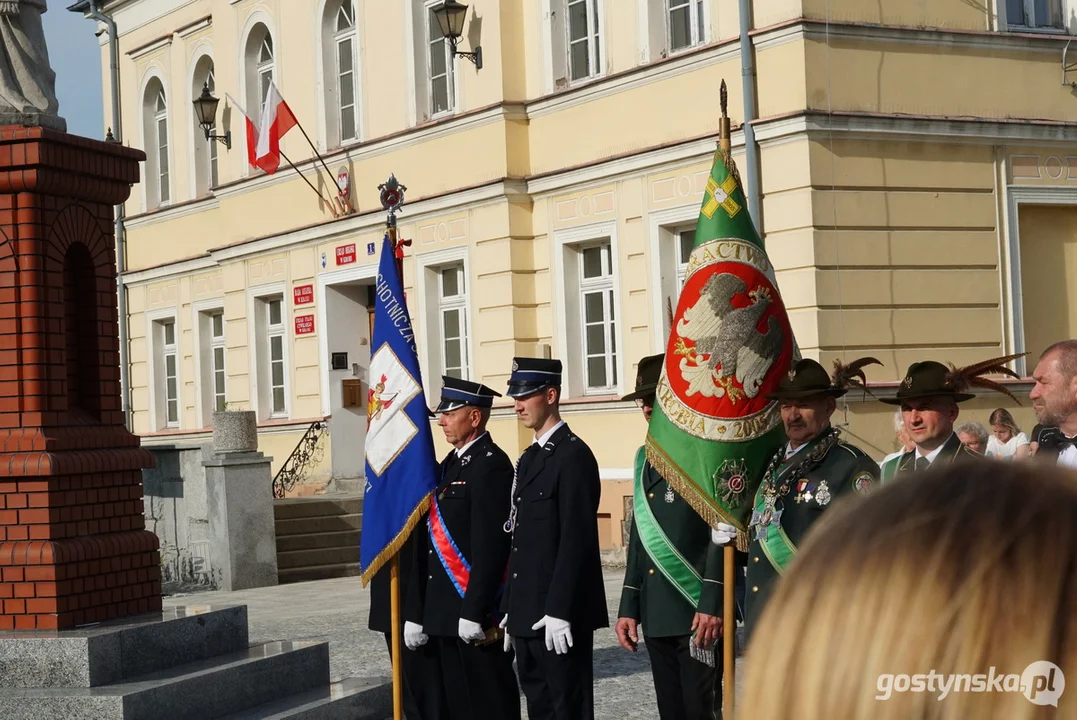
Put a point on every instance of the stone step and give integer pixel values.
(343, 538)
(201, 690)
(317, 572)
(120, 649)
(311, 525)
(317, 506)
(318, 556)
(357, 698)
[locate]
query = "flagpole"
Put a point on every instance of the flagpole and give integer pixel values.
(729, 620)
(392, 198)
(322, 161)
(306, 180)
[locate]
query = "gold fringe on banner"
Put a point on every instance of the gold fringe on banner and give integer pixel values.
(693, 495)
(401, 537)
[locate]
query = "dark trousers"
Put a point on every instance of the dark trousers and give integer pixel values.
(478, 681)
(423, 696)
(557, 687)
(686, 688)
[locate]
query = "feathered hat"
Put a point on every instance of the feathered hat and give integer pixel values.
(808, 378)
(933, 379)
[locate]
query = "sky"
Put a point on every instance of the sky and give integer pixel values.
(75, 56)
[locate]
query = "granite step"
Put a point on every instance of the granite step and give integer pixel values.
(317, 572)
(324, 524)
(318, 556)
(201, 690)
(317, 506)
(356, 698)
(113, 651)
(311, 541)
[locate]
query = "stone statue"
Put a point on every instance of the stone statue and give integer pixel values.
(27, 82)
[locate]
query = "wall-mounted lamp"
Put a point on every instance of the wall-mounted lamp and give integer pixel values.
(205, 109)
(450, 15)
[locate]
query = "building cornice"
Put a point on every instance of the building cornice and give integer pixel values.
(173, 212)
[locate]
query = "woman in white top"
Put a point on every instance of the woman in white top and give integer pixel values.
(1006, 441)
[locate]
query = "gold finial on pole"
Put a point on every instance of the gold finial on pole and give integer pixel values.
(724, 133)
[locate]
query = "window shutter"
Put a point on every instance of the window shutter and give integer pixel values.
(559, 44)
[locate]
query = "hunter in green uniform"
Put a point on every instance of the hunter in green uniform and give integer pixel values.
(803, 479)
(673, 585)
(928, 397)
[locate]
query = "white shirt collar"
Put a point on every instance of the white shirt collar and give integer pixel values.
(541, 441)
(933, 454)
(790, 452)
(461, 451)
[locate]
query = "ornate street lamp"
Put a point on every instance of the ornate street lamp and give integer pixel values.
(450, 15)
(205, 109)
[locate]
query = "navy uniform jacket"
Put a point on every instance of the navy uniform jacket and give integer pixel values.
(647, 595)
(554, 567)
(952, 451)
(473, 495)
(845, 468)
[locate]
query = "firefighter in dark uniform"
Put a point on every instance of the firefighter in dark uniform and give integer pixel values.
(674, 595)
(555, 598)
(929, 397)
(801, 481)
(458, 572)
(422, 699)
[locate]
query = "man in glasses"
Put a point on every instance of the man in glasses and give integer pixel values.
(670, 588)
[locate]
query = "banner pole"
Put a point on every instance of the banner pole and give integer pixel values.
(394, 603)
(729, 632)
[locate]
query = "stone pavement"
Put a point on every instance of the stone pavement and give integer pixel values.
(336, 610)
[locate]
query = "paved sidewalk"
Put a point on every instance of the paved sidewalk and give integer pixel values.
(336, 610)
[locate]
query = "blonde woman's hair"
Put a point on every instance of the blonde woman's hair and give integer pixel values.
(956, 571)
(1002, 416)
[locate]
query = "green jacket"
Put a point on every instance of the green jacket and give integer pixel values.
(810, 489)
(952, 451)
(647, 595)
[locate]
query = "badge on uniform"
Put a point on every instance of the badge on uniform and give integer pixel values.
(822, 496)
(862, 483)
(731, 484)
(465, 460)
(804, 491)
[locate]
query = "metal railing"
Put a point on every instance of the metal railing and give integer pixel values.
(308, 453)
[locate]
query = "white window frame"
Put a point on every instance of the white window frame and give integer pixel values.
(556, 61)
(428, 266)
(603, 286)
(567, 304)
(1019, 25)
(666, 272)
(147, 130)
(264, 70)
(155, 366)
(655, 34)
(697, 10)
(204, 363)
(160, 144)
(341, 36)
(260, 334)
(202, 151)
(214, 160)
(250, 69)
(593, 39)
(450, 65)
(458, 303)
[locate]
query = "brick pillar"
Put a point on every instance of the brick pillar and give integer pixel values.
(73, 543)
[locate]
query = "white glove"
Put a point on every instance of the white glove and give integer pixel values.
(414, 637)
(723, 534)
(558, 633)
(469, 631)
(504, 625)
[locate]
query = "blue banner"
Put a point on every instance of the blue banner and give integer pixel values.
(401, 470)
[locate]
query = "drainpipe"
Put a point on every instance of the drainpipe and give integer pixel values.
(751, 150)
(117, 136)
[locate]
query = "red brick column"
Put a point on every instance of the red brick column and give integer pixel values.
(73, 543)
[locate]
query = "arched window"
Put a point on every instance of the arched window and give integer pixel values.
(205, 151)
(155, 139)
(259, 68)
(340, 55)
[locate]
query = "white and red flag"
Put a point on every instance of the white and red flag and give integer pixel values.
(263, 137)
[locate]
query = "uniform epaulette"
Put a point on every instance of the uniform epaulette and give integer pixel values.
(851, 449)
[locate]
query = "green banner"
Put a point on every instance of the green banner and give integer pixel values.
(712, 432)
(680, 573)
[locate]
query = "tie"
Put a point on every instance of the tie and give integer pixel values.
(922, 463)
(527, 458)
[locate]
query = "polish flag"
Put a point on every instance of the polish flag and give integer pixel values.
(263, 138)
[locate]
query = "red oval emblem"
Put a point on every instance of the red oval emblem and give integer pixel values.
(731, 343)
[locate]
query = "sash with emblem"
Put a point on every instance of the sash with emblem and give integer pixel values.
(712, 430)
(665, 555)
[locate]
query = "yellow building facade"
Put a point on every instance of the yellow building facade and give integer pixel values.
(917, 169)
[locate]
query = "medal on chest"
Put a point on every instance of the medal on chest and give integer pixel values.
(670, 497)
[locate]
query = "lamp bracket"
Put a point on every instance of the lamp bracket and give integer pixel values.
(475, 57)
